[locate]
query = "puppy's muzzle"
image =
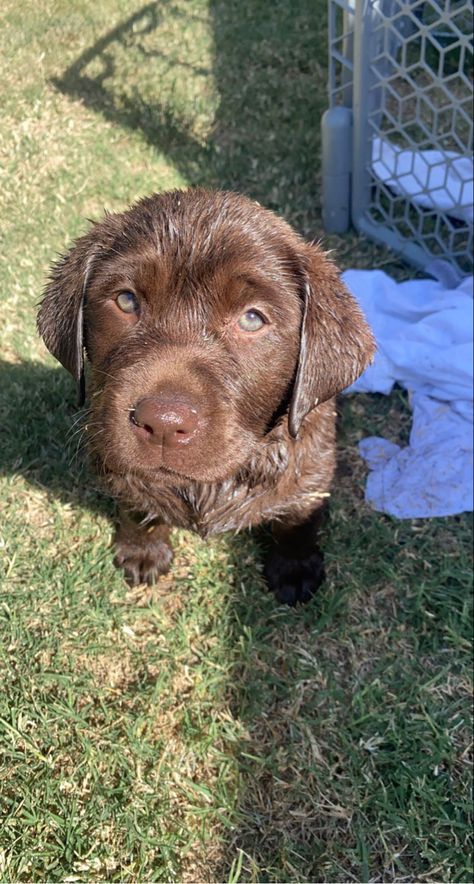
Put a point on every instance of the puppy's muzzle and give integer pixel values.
(165, 421)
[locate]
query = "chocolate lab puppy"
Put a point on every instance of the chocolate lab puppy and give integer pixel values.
(217, 339)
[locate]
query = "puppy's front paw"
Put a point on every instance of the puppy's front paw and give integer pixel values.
(294, 580)
(140, 563)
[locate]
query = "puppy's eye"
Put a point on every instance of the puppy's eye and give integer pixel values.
(251, 321)
(127, 302)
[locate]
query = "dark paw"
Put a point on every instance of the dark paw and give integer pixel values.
(143, 564)
(294, 580)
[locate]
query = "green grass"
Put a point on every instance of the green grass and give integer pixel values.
(199, 732)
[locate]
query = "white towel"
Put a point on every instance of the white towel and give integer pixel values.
(424, 333)
(433, 179)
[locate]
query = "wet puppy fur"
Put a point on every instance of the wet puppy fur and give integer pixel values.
(216, 338)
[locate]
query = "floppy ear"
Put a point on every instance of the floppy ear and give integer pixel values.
(60, 316)
(336, 343)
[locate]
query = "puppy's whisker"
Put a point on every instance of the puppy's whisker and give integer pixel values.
(106, 374)
(90, 438)
(84, 426)
(75, 454)
(80, 417)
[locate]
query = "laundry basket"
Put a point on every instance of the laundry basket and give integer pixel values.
(397, 137)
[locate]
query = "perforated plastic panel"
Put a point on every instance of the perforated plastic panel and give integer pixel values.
(405, 68)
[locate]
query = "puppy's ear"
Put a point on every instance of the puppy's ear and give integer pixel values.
(336, 343)
(60, 315)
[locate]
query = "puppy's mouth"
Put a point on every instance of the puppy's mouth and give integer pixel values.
(191, 457)
(154, 474)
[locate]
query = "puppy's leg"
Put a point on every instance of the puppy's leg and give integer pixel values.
(295, 566)
(143, 551)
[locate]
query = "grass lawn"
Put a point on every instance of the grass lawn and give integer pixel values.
(199, 732)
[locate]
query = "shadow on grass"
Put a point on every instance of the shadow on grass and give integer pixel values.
(37, 433)
(96, 80)
(37, 411)
(271, 93)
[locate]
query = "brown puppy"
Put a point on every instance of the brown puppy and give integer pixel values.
(217, 338)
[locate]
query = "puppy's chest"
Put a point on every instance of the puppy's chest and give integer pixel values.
(214, 509)
(206, 509)
(211, 509)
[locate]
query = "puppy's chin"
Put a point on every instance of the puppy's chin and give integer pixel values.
(179, 473)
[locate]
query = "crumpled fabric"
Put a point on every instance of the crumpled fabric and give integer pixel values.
(424, 332)
(434, 179)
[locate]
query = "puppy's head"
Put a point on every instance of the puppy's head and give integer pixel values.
(206, 319)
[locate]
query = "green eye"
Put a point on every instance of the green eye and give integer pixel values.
(127, 302)
(251, 321)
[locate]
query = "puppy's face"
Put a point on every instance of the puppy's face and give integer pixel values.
(192, 355)
(205, 319)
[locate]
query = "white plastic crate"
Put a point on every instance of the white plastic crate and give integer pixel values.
(398, 137)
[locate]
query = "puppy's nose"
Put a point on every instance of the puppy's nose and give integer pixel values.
(169, 421)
